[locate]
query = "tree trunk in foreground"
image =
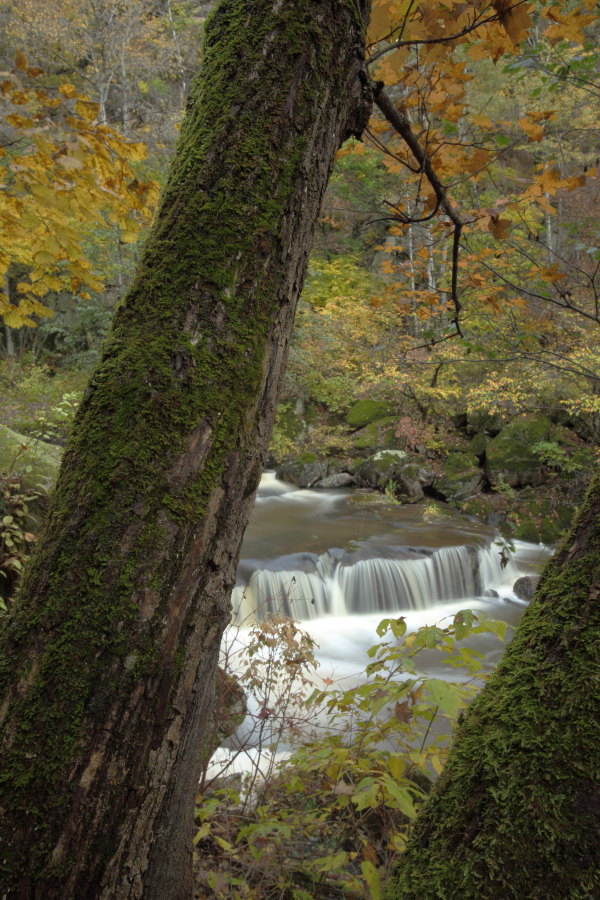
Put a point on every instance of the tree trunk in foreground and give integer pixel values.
(107, 665)
(516, 812)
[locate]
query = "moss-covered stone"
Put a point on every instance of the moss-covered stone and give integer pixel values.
(461, 477)
(478, 444)
(367, 411)
(489, 423)
(541, 519)
(511, 457)
(377, 436)
(379, 468)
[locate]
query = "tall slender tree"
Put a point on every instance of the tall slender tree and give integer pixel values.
(107, 664)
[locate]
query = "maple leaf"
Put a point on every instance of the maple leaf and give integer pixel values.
(567, 26)
(534, 131)
(499, 227)
(402, 711)
(515, 18)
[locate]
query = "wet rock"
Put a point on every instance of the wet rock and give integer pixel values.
(461, 477)
(306, 472)
(401, 473)
(407, 486)
(341, 480)
(526, 586)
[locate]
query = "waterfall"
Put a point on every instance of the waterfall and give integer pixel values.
(336, 583)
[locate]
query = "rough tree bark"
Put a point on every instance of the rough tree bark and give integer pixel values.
(107, 665)
(516, 812)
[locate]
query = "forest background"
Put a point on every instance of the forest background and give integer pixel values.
(450, 318)
(433, 316)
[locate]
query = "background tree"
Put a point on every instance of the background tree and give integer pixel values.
(108, 661)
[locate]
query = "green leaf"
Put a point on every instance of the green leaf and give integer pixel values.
(372, 878)
(445, 695)
(401, 796)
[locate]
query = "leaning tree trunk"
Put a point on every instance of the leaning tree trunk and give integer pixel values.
(516, 813)
(107, 665)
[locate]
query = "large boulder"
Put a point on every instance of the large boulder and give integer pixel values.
(510, 456)
(478, 444)
(306, 470)
(461, 477)
(380, 468)
(403, 472)
(341, 480)
(376, 436)
(526, 586)
(367, 411)
(407, 485)
(489, 423)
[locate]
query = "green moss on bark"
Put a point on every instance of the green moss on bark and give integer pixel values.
(516, 813)
(179, 406)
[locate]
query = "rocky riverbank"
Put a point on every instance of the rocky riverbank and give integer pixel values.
(524, 476)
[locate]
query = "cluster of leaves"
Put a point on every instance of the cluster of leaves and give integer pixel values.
(15, 538)
(471, 207)
(62, 173)
(330, 819)
(53, 425)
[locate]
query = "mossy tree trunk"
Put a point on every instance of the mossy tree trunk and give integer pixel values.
(516, 812)
(107, 665)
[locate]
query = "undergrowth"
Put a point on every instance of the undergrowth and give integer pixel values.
(327, 818)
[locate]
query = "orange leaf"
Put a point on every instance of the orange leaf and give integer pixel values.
(515, 19)
(499, 227)
(533, 131)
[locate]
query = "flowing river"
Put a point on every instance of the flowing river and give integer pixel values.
(340, 561)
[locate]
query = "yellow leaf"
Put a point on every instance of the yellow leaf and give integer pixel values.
(70, 162)
(133, 152)
(128, 237)
(381, 21)
(87, 110)
(567, 26)
(551, 273)
(67, 90)
(18, 121)
(20, 61)
(14, 319)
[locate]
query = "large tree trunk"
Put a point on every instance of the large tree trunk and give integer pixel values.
(107, 665)
(516, 813)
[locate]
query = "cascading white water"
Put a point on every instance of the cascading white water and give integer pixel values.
(334, 583)
(340, 566)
